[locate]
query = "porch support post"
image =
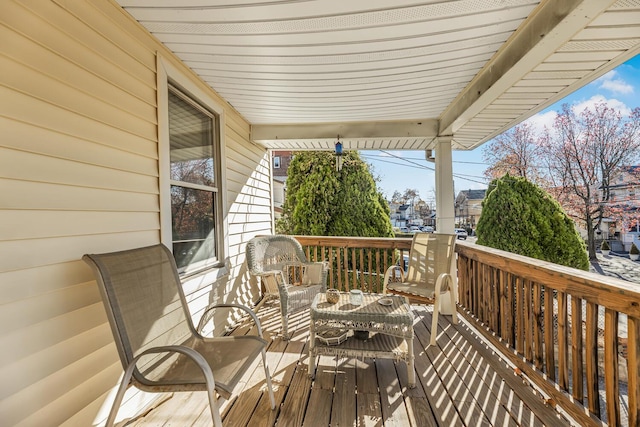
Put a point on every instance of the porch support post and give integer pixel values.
(445, 214)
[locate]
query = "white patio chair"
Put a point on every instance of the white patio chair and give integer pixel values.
(428, 275)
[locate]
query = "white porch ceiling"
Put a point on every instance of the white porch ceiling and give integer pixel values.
(392, 74)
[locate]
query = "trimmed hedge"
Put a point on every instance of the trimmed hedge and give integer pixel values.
(519, 217)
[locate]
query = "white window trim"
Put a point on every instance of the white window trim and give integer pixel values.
(167, 72)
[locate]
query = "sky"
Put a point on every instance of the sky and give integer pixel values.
(401, 170)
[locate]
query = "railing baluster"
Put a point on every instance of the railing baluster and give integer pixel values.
(354, 271)
(495, 300)
(611, 366)
(519, 316)
(577, 370)
(591, 350)
(538, 353)
(549, 329)
(633, 369)
(504, 312)
(528, 321)
(339, 267)
(563, 349)
(511, 308)
(380, 271)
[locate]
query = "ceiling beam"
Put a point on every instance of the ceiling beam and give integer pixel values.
(548, 28)
(348, 130)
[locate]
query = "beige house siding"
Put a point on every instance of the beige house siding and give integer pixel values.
(79, 173)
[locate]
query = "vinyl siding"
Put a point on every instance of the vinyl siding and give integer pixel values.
(79, 174)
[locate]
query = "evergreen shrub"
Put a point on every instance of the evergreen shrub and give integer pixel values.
(520, 217)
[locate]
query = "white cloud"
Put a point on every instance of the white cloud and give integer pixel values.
(600, 99)
(541, 120)
(614, 84)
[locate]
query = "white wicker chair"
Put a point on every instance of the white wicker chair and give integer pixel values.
(428, 275)
(281, 264)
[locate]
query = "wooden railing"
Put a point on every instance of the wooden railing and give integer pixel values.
(564, 328)
(355, 262)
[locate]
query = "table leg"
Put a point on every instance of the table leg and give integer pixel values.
(411, 371)
(312, 343)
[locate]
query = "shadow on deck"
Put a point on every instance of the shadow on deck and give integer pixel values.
(461, 382)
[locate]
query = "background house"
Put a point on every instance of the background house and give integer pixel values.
(468, 207)
(624, 224)
(280, 163)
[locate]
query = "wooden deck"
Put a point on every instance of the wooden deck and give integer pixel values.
(461, 382)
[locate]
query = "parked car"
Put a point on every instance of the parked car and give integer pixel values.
(427, 229)
(462, 233)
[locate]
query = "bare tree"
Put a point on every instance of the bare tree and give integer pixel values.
(396, 197)
(585, 152)
(515, 152)
(410, 194)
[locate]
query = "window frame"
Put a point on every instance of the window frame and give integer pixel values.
(169, 76)
(276, 162)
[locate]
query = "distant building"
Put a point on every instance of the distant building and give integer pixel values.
(625, 203)
(468, 207)
(280, 161)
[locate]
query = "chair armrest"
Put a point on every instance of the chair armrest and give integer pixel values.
(208, 313)
(387, 276)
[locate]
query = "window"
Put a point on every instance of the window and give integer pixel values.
(194, 177)
(276, 162)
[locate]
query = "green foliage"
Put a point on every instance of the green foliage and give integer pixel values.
(634, 250)
(605, 246)
(519, 217)
(323, 202)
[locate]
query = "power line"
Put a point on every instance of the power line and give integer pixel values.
(459, 176)
(417, 158)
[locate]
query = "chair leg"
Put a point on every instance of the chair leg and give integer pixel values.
(268, 377)
(213, 405)
(454, 312)
(434, 321)
(285, 327)
(119, 395)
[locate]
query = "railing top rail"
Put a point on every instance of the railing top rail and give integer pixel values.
(610, 292)
(356, 242)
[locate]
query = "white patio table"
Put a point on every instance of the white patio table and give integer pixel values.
(387, 318)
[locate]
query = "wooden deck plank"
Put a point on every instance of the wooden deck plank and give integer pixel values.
(460, 382)
(394, 411)
(369, 411)
(496, 391)
(281, 374)
(343, 409)
(546, 414)
(462, 396)
(440, 402)
(366, 376)
(295, 403)
(319, 407)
